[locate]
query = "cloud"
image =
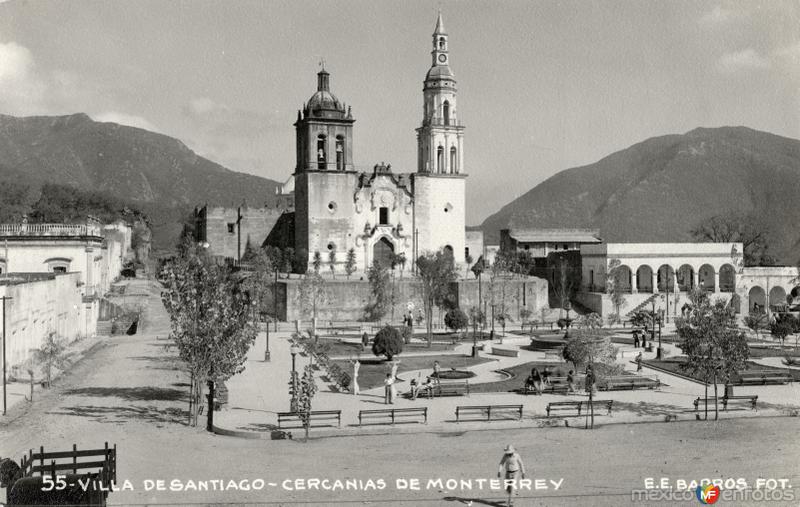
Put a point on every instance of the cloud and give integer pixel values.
(124, 119)
(744, 60)
(719, 16)
(22, 90)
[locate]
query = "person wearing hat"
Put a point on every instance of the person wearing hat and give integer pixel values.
(512, 468)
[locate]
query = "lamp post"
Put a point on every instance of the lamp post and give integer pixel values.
(275, 302)
(293, 405)
(266, 349)
(653, 331)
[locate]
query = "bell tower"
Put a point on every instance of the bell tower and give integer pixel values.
(325, 176)
(440, 137)
(440, 180)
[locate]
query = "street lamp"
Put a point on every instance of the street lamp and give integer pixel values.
(653, 331)
(266, 349)
(293, 405)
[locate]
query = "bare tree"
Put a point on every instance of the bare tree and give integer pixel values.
(735, 227)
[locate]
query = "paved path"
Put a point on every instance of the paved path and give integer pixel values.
(262, 390)
(131, 393)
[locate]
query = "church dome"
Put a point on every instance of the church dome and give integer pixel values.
(323, 102)
(440, 72)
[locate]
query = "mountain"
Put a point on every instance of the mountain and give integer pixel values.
(153, 172)
(659, 189)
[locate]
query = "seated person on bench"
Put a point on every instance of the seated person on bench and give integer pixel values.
(427, 386)
(534, 381)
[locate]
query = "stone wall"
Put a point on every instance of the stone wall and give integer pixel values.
(44, 305)
(345, 300)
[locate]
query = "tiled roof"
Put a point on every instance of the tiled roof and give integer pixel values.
(556, 235)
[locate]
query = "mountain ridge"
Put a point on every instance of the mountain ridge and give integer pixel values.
(154, 172)
(660, 188)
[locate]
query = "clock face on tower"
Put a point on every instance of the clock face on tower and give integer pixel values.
(442, 58)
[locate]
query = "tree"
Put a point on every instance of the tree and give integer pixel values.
(258, 278)
(564, 285)
(332, 262)
(714, 346)
(317, 262)
(456, 319)
(782, 327)
(756, 321)
(382, 299)
(350, 263)
(311, 295)
(587, 346)
(307, 388)
(209, 316)
(52, 354)
(736, 227)
(388, 341)
(437, 272)
(524, 316)
(401, 261)
(614, 284)
(476, 318)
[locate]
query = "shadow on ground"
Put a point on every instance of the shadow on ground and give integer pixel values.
(120, 415)
(131, 393)
(645, 409)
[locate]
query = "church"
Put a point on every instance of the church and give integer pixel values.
(380, 213)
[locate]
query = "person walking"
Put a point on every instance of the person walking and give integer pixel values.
(639, 363)
(636, 339)
(388, 387)
(571, 382)
(436, 371)
(511, 468)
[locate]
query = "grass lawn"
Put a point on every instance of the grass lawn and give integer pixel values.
(759, 352)
(342, 348)
(373, 371)
(520, 372)
(674, 365)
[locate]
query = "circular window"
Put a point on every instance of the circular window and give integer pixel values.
(332, 207)
(331, 246)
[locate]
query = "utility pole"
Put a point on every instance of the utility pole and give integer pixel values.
(238, 235)
(5, 407)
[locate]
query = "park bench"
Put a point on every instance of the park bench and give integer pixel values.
(453, 388)
(392, 415)
(629, 382)
(725, 400)
(295, 420)
(499, 351)
(763, 378)
(601, 404)
(556, 385)
(746, 398)
(487, 411)
(87, 477)
(579, 405)
(555, 406)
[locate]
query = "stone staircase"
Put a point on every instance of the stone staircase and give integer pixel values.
(642, 305)
(104, 328)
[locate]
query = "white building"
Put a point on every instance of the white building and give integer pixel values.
(664, 273)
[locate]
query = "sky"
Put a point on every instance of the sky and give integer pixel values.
(543, 85)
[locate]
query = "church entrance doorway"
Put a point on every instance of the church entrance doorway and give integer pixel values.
(383, 252)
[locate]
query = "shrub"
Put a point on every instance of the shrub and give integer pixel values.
(388, 342)
(456, 319)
